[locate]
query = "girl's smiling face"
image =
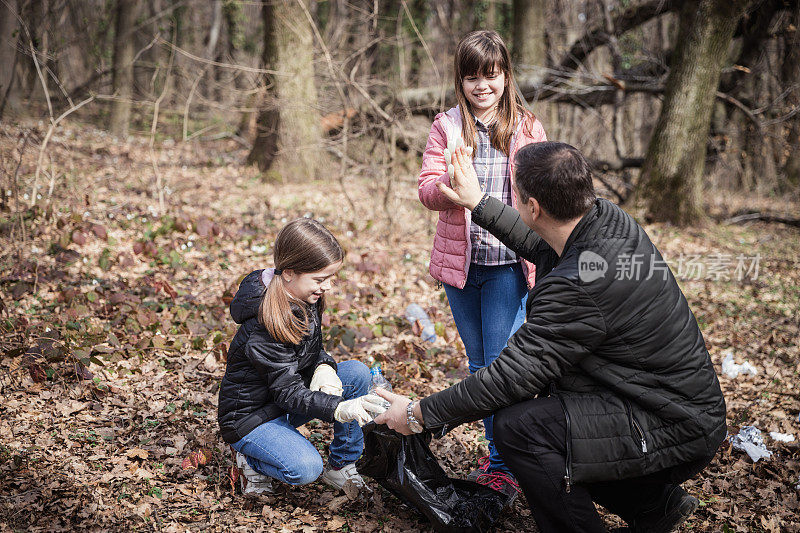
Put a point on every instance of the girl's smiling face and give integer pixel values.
(484, 91)
(310, 286)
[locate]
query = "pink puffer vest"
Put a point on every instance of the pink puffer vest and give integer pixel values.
(451, 252)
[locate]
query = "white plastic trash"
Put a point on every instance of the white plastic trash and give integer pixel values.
(749, 440)
(781, 437)
(732, 370)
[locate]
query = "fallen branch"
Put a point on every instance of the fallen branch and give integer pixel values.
(763, 217)
(627, 20)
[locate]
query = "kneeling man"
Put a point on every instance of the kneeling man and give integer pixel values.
(607, 393)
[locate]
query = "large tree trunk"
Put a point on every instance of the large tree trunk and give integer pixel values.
(671, 182)
(529, 44)
(123, 67)
(791, 78)
(288, 136)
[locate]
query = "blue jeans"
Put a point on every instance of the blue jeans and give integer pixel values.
(487, 311)
(276, 449)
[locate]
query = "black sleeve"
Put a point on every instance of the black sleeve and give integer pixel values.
(564, 327)
(276, 363)
(504, 222)
(324, 357)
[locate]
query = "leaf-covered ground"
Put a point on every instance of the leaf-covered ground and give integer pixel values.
(114, 326)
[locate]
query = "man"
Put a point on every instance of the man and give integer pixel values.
(607, 393)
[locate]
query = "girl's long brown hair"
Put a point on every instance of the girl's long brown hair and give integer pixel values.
(481, 52)
(303, 245)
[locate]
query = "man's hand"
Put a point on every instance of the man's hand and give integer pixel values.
(395, 417)
(464, 188)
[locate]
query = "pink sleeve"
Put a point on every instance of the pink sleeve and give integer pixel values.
(537, 134)
(434, 169)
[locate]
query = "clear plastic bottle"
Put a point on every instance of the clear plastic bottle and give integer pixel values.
(414, 313)
(378, 380)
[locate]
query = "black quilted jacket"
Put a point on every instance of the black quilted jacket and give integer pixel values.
(623, 352)
(264, 378)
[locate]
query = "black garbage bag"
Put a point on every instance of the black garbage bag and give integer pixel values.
(406, 467)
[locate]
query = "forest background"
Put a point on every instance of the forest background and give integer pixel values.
(150, 150)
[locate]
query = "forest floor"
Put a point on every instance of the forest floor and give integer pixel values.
(114, 326)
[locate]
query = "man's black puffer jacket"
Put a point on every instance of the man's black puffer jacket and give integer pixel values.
(265, 378)
(625, 356)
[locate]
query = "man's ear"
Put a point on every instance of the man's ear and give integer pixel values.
(535, 208)
(288, 274)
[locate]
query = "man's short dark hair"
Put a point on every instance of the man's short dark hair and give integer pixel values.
(557, 176)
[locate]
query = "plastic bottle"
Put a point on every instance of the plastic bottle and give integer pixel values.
(414, 313)
(378, 380)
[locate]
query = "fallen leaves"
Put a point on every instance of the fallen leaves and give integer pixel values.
(195, 459)
(137, 452)
(110, 367)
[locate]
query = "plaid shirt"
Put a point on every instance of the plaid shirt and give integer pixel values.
(494, 175)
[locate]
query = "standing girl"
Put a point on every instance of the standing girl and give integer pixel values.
(279, 377)
(485, 282)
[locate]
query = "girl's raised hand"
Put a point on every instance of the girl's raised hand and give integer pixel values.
(452, 145)
(464, 188)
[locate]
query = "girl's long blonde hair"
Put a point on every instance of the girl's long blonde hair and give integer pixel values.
(481, 52)
(303, 245)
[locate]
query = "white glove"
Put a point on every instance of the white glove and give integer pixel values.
(359, 409)
(452, 146)
(325, 380)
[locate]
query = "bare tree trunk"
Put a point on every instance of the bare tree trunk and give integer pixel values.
(288, 136)
(529, 44)
(123, 67)
(35, 15)
(790, 72)
(211, 49)
(670, 186)
(151, 56)
(232, 13)
(9, 39)
(336, 28)
(213, 32)
(491, 15)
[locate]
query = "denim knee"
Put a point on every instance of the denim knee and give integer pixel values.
(304, 471)
(363, 377)
(357, 376)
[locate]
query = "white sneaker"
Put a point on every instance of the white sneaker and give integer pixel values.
(253, 488)
(252, 482)
(345, 478)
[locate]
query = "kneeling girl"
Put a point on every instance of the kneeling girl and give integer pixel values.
(279, 376)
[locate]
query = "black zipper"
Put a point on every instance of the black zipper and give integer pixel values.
(636, 426)
(568, 441)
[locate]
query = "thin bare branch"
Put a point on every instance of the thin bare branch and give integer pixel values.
(231, 66)
(427, 51)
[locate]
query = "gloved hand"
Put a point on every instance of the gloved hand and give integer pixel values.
(325, 380)
(359, 409)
